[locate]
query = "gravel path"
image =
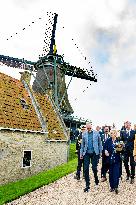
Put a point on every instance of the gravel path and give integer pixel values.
(68, 191)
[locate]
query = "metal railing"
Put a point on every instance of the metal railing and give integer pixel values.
(59, 117)
(36, 107)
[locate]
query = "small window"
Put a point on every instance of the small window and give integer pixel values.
(27, 156)
(23, 103)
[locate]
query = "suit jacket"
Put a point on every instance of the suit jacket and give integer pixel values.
(78, 142)
(97, 145)
(114, 157)
(128, 139)
(123, 128)
(135, 146)
(103, 139)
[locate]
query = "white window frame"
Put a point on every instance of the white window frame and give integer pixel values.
(30, 160)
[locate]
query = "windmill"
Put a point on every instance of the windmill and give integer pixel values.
(51, 70)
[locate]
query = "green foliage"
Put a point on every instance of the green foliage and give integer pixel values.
(14, 190)
(72, 154)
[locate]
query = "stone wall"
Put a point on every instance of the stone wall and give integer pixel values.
(45, 154)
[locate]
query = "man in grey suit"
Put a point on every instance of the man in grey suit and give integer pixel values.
(91, 148)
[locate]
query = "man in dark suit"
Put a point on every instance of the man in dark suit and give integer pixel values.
(78, 146)
(124, 126)
(105, 163)
(128, 137)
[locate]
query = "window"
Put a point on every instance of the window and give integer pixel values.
(23, 103)
(27, 156)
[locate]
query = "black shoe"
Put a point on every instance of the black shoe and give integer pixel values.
(116, 191)
(97, 182)
(132, 181)
(127, 178)
(77, 177)
(104, 179)
(86, 189)
(111, 190)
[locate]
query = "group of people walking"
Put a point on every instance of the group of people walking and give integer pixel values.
(113, 148)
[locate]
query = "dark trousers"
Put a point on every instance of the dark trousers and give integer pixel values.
(114, 174)
(120, 169)
(80, 162)
(105, 165)
(129, 155)
(94, 161)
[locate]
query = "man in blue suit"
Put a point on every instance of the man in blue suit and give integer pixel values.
(128, 137)
(91, 148)
(105, 162)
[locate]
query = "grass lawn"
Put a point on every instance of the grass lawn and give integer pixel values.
(72, 154)
(13, 190)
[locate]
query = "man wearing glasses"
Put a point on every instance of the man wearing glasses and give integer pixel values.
(91, 149)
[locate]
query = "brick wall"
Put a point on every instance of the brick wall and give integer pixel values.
(45, 154)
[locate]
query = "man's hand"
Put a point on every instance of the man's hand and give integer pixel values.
(106, 153)
(100, 155)
(81, 157)
(135, 158)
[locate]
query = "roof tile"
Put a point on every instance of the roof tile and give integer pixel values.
(12, 114)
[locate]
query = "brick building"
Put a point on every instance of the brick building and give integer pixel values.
(33, 136)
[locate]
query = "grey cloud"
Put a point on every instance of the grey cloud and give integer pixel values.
(23, 4)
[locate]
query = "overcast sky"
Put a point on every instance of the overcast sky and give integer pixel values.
(104, 31)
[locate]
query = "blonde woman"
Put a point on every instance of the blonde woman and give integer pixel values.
(114, 160)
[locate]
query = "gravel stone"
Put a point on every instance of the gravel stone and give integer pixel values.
(69, 191)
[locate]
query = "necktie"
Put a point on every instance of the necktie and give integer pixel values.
(128, 133)
(105, 137)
